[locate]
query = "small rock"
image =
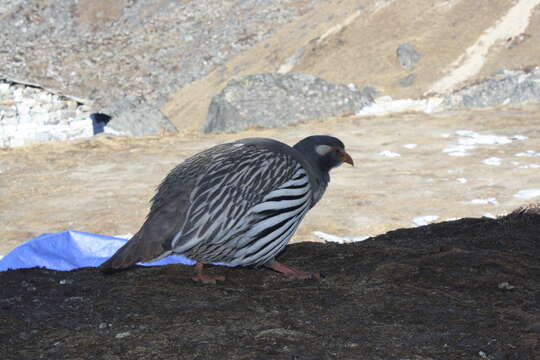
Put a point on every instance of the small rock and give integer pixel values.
(407, 80)
(122, 335)
(133, 116)
(407, 55)
(505, 285)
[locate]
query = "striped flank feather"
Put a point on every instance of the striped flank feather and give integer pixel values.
(244, 212)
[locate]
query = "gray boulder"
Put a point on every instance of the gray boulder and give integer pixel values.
(503, 88)
(407, 80)
(407, 55)
(274, 100)
(132, 116)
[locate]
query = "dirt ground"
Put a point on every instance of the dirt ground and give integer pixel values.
(103, 185)
(466, 289)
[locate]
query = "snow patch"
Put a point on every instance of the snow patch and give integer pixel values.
(489, 215)
(410, 146)
(389, 154)
(461, 180)
(527, 193)
(458, 150)
(424, 220)
(386, 105)
(490, 200)
(528, 153)
(467, 139)
(494, 161)
(530, 166)
(339, 239)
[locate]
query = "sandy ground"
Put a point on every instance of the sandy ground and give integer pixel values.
(103, 185)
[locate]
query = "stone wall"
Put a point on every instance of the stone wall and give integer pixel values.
(30, 114)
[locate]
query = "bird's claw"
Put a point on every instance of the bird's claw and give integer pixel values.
(291, 273)
(207, 279)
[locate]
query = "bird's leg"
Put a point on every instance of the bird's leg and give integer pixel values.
(205, 279)
(292, 273)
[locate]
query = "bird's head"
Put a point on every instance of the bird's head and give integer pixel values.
(324, 152)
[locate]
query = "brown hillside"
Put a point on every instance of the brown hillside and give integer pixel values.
(343, 43)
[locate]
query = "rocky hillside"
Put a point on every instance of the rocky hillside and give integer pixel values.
(458, 42)
(101, 51)
(179, 54)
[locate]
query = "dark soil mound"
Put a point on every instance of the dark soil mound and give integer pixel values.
(467, 289)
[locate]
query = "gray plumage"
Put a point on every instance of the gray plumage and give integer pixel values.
(237, 203)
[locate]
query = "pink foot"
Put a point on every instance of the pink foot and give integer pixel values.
(205, 279)
(292, 273)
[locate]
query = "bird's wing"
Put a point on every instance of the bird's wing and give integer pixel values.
(245, 206)
(168, 212)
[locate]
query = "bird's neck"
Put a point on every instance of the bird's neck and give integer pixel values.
(322, 183)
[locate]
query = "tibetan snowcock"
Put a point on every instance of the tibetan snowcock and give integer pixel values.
(237, 203)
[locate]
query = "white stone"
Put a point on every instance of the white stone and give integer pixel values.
(31, 114)
(17, 93)
(339, 239)
(44, 97)
(4, 87)
(23, 108)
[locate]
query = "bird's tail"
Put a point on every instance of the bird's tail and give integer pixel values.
(134, 251)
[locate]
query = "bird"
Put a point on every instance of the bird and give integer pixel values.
(237, 203)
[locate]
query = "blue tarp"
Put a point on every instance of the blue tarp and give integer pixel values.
(68, 250)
